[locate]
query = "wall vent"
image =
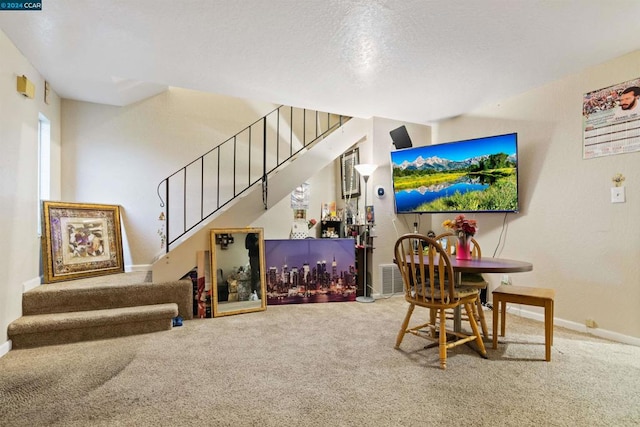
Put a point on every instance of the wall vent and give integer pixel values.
(391, 279)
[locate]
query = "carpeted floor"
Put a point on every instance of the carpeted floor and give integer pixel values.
(327, 364)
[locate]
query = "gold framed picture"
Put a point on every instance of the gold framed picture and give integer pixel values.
(80, 240)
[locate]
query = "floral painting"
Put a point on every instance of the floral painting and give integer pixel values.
(80, 240)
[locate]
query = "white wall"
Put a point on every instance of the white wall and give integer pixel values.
(277, 221)
(119, 155)
(580, 244)
(20, 250)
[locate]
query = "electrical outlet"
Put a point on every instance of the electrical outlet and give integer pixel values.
(590, 323)
(617, 195)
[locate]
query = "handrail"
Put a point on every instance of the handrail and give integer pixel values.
(231, 162)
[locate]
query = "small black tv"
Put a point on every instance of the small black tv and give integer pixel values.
(475, 175)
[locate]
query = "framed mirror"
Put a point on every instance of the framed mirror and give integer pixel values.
(237, 271)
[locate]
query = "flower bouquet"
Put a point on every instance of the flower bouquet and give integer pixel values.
(464, 229)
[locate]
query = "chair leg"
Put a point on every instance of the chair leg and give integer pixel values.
(405, 324)
(474, 326)
(480, 315)
(443, 340)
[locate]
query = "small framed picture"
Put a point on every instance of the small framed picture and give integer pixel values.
(349, 177)
(80, 240)
(371, 217)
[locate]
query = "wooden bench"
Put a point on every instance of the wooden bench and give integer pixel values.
(539, 297)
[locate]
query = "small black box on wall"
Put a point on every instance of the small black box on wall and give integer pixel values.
(400, 137)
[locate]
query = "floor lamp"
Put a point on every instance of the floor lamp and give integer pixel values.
(365, 170)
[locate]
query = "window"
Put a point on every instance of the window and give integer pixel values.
(44, 165)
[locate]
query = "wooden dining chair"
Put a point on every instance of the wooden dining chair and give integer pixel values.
(429, 283)
(475, 280)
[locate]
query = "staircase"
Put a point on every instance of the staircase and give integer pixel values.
(99, 308)
(223, 196)
(216, 179)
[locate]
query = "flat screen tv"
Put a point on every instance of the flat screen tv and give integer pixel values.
(475, 175)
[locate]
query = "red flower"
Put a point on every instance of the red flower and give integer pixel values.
(461, 224)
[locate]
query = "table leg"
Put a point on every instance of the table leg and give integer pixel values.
(457, 319)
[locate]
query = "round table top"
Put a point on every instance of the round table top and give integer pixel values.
(490, 265)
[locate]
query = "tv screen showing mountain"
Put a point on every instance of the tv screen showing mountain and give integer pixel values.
(475, 175)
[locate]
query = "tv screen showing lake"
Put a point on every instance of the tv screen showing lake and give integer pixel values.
(476, 175)
(409, 200)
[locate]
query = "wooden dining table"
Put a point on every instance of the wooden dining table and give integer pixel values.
(482, 265)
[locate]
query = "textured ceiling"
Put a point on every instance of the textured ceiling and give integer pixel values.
(411, 60)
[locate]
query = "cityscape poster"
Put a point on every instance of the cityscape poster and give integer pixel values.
(310, 271)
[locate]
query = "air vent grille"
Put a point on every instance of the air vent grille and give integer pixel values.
(391, 279)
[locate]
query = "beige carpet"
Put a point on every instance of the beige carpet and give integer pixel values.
(320, 365)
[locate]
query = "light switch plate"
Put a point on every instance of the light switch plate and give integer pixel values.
(617, 195)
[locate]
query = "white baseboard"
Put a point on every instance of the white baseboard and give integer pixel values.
(5, 348)
(574, 326)
(138, 267)
(596, 332)
(31, 284)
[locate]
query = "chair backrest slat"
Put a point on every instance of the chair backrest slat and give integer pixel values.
(425, 268)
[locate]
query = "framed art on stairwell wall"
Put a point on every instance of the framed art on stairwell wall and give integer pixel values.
(80, 240)
(349, 178)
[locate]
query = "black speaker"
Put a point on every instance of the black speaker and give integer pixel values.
(400, 137)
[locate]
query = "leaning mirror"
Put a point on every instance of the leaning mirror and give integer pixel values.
(237, 270)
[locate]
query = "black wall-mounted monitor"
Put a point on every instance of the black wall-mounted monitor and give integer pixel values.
(400, 137)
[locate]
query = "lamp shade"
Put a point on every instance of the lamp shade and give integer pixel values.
(365, 169)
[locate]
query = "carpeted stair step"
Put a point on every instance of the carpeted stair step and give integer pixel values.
(61, 328)
(107, 292)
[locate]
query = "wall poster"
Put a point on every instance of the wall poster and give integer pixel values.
(611, 120)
